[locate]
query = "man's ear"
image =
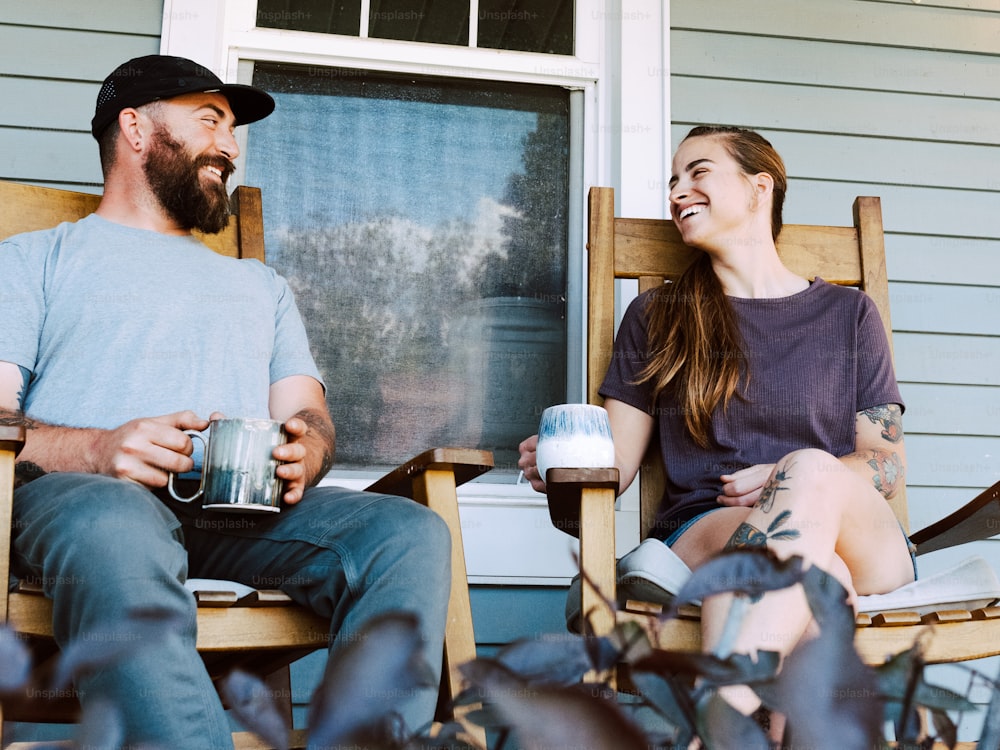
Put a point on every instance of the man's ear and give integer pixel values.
(134, 127)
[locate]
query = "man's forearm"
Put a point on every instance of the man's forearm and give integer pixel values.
(49, 448)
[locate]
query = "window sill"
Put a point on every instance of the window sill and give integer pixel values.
(507, 534)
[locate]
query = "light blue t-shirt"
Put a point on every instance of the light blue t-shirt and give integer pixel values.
(116, 323)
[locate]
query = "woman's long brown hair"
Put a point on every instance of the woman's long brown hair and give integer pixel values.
(697, 350)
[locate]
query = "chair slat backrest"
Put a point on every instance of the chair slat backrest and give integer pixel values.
(25, 208)
(652, 252)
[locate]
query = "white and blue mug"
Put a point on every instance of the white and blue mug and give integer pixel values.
(574, 436)
(238, 470)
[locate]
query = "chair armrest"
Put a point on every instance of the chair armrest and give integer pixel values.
(12, 438)
(978, 519)
(466, 463)
(564, 487)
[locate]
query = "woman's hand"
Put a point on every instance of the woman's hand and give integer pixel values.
(743, 487)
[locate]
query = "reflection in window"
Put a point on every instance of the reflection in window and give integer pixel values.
(522, 25)
(422, 225)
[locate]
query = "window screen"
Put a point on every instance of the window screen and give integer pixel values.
(422, 225)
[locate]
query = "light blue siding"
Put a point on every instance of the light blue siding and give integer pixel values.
(53, 56)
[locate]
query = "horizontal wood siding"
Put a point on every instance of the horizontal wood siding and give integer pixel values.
(900, 100)
(53, 56)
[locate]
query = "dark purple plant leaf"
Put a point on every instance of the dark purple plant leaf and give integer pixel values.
(438, 743)
(990, 736)
(252, 702)
(831, 699)
(113, 641)
(364, 681)
(828, 601)
(101, 726)
(545, 717)
(750, 571)
(902, 685)
(671, 700)
(562, 659)
(735, 669)
(722, 727)
(449, 736)
(944, 727)
(15, 661)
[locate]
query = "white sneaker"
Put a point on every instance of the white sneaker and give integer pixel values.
(651, 573)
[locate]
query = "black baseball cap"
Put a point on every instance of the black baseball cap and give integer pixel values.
(146, 79)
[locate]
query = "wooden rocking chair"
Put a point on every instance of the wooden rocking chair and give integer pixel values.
(264, 631)
(582, 501)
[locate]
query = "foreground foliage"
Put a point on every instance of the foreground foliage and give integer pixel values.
(532, 695)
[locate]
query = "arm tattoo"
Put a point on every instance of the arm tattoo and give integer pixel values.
(888, 471)
(24, 471)
(23, 392)
(326, 434)
(13, 418)
(890, 416)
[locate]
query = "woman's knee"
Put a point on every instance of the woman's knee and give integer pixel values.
(807, 462)
(813, 474)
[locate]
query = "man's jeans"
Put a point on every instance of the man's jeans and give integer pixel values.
(103, 547)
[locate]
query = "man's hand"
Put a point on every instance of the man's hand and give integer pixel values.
(146, 450)
(143, 450)
(299, 402)
(293, 455)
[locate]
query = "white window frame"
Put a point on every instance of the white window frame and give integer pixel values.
(621, 71)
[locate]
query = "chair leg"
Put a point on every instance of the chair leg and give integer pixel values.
(436, 488)
(279, 683)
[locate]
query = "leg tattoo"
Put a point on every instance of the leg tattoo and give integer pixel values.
(748, 535)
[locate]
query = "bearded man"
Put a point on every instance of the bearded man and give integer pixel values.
(123, 331)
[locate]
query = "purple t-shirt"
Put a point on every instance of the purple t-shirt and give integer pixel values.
(815, 359)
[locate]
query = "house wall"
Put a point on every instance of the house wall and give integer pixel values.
(53, 56)
(898, 100)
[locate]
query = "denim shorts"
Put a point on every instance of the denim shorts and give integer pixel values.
(676, 533)
(679, 531)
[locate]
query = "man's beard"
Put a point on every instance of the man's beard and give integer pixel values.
(175, 179)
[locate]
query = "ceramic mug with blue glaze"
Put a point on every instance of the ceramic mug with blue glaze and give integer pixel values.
(238, 471)
(574, 436)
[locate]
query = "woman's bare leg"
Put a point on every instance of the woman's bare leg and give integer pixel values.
(815, 507)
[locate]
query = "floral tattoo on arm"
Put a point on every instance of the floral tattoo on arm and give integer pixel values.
(890, 416)
(888, 471)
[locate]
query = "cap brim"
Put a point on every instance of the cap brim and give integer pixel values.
(249, 103)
